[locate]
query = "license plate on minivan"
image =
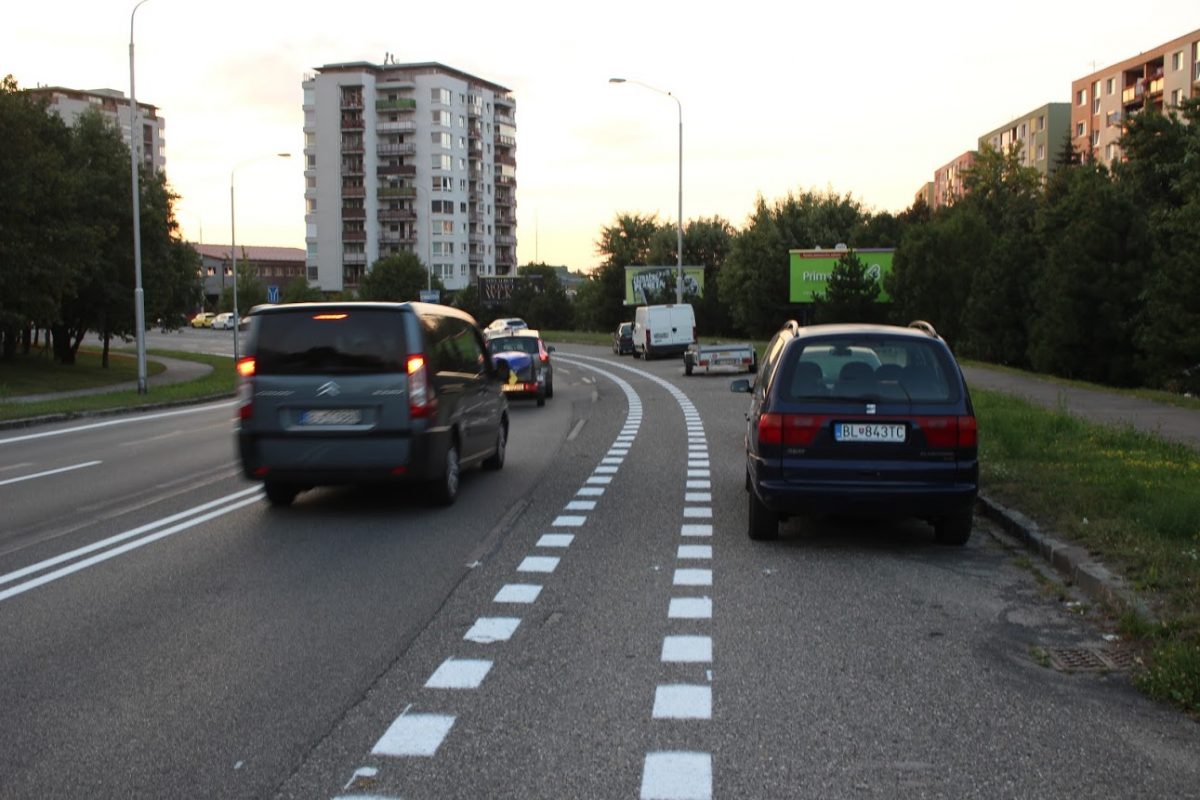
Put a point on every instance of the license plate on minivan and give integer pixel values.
(890, 433)
(331, 416)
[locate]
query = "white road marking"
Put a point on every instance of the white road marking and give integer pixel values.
(612, 460)
(698, 551)
(699, 484)
(11, 467)
(690, 608)
(414, 735)
(687, 649)
(111, 422)
(677, 776)
(696, 530)
(697, 512)
(538, 564)
(603, 479)
(699, 473)
(682, 701)
(517, 593)
(568, 521)
(606, 470)
(697, 497)
(361, 772)
(58, 471)
(580, 505)
(575, 430)
(591, 491)
(555, 540)
(487, 630)
(693, 577)
(459, 673)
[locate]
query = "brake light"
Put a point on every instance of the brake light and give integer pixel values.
(770, 429)
(246, 367)
(792, 430)
(329, 317)
(421, 403)
(949, 432)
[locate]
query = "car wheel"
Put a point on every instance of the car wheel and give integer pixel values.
(763, 522)
(687, 366)
(954, 528)
(550, 388)
(280, 495)
(496, 460)
(445, 488)
(541, 397)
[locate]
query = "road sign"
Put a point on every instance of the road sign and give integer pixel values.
(272, 294)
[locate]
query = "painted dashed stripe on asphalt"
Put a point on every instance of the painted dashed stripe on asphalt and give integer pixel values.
(677, 776)
(487, 630)
(517, 593)
(683, 701)
(414, 735)
(459, 673)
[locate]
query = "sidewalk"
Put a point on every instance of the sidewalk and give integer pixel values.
(177, 371)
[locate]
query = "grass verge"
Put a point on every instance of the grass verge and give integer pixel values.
(1130, 498)
(38, 373)
(46, 377)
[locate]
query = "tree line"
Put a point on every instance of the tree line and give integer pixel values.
(66, 238)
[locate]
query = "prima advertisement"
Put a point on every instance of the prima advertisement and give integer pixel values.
(810, 270)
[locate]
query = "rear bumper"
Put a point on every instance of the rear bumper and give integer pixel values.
(332, 461)
(867, 498)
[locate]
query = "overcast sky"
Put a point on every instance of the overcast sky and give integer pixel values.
(866, 97)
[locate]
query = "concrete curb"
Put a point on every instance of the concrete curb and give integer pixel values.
(1071, 561)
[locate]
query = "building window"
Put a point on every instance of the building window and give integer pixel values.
(1096, 106)
(440, 139)
(312, 164)
(310, 204)
(1177, 61)
(1110, 86)
(441, 96)
(1041, 152)
(1081, 97)
(1079, 130)
(442, 161)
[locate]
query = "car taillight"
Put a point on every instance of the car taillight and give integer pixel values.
(421, 402)
(794, 430)
(246, 366)
(948, 432)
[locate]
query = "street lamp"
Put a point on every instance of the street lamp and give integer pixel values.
(237, 320)
(139, 305)
(679, 245)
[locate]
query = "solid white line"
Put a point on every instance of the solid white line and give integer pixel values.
(111, 422)
(120, 537)
(414, 735)
(50, 472)
(125, 548)
(677, 776)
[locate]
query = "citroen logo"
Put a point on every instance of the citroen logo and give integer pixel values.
(329, 389)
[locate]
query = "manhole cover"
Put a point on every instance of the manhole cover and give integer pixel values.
(1089, 659)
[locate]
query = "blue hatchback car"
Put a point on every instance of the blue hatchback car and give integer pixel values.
(864, 420)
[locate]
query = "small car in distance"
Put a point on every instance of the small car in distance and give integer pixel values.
(223, 321)
(531, 372)
(622, 339)
(203, 320)
(861, 420)
(504, 325)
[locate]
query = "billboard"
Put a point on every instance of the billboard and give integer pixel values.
(651, 285)
(810, 270)
(497, 291)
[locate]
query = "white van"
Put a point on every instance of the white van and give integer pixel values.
(665, 330)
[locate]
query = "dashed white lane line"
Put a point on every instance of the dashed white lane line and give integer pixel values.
(697, 512)
(414, 735)
(696, 530)
(699, 484)
(568, 521)
(544, 564)
(556, 540)
(580, 505)
(687, 649)
(690, 608)
(459, 673)
(603, 480)
(517, 593)
(699, 473)
(694, 551)
(591, 491)
(487, 630)
(693, 577)
(607, 469)
(683, 701)
(677, 775)
(697, 497)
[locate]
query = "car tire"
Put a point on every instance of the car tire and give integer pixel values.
(687, 366)
(541, 398)
(280, 495)
(763, 523)
(496, 460)
(445, 488)
(550, 388)
(954, 529)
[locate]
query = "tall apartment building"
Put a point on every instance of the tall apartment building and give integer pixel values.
(948, 180)
(1040, 133)
(1159, 78)
(70, 103)
(417, 157)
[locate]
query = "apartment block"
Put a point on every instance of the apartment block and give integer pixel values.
(948, 183)
(1160, 78)
(1039, 135)
(70, 103)
(416, 157)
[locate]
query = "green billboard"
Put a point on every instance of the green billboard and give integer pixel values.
(652, 285)
(810, 270)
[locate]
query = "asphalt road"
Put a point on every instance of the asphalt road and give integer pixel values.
(589, 622)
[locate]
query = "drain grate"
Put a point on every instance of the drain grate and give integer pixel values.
(1089, 659)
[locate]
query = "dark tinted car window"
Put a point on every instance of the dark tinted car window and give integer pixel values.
(869, 368)
(454, 346)
(312, 342)
(520, 344)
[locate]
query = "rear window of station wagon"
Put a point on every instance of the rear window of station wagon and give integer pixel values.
(882, 369)
(330, 341)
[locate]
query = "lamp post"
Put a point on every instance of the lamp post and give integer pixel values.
(139, 305)
(679, 245)
(233, 244)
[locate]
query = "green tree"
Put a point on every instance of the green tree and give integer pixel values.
(550, 308)
(297, 290)
(852, 295)
(396, 278)
(626, 242)
(251, 291)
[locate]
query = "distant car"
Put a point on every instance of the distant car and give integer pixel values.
(504, 325)
(622, 339)
(528, 357)
(203, 320)
(863, 420)
(223, 321)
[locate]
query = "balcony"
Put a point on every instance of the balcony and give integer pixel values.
(504, 119)
(352, 123)
(354, 191)
(392, 149)
(354, 236)
(397, 191)
(1156, 86)
(354, 213)
(395, 105)
(506, 141)
(396, 169)
(396, 215)
(352, 168)
(397, 126)
(352, 147)
(397, 237)
(354, 258)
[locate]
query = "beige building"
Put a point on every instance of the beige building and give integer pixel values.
(70, 103)
(1039, 134)
(1159, 78)
(948, 183)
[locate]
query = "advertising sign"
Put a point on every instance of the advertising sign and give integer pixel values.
(653, 285)
(810, 270)
(499, 290)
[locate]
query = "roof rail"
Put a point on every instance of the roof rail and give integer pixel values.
(792, 326)
(922, 325)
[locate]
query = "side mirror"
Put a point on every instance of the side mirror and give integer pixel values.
(741, 386)
(549, 348)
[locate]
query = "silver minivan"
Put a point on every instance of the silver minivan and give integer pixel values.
(366, 393)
